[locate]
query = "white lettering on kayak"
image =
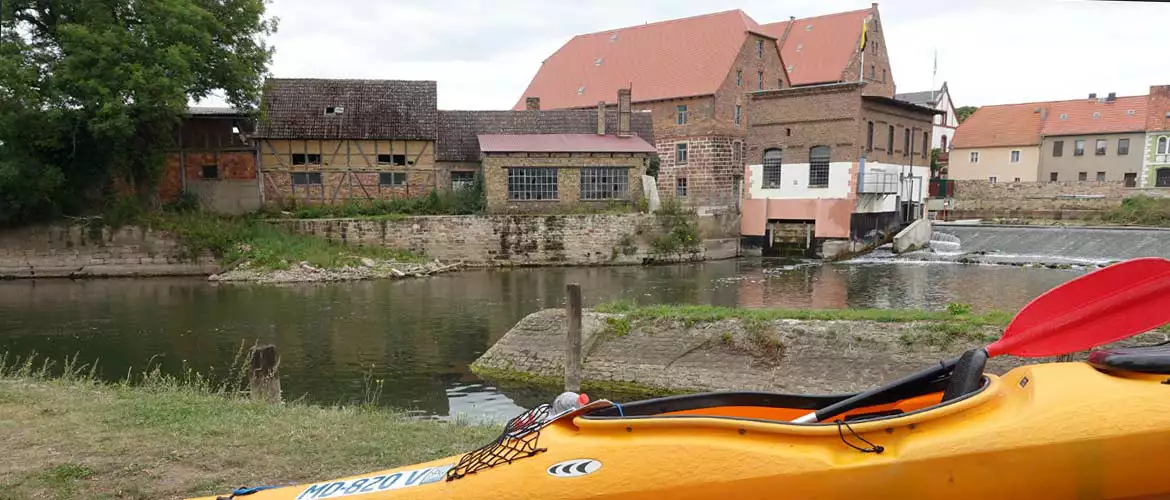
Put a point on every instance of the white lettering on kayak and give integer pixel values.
(371, 484)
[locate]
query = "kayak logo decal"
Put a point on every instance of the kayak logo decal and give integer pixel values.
(574, 468)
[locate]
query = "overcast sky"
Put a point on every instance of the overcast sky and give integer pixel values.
(484, 53)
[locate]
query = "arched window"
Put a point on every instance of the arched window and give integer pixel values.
(944, 143)
(818, 166)
(1162, 145)
(772, 161)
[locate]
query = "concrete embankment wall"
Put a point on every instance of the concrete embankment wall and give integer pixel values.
(83, 251)
(1093, 243)
(521, 240)
(789, 356)
(1038, 200)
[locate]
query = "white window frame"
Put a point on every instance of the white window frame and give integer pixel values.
(973, 157)
(1014, 156)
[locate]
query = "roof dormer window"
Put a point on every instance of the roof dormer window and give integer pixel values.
(334, 110)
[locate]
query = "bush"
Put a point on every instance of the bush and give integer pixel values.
(1142, 211)
(958, 309)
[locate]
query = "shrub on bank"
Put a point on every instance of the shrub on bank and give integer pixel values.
(1140, 211)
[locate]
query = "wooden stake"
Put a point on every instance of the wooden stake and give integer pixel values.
(573, 359)
(264, 381)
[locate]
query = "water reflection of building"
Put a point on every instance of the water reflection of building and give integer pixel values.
(804, 287)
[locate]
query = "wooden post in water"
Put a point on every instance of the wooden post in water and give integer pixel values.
(263, 380)
(573, 338)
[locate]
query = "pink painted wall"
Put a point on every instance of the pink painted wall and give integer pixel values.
(831, 216)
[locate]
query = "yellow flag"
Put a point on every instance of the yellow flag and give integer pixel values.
(864, 32)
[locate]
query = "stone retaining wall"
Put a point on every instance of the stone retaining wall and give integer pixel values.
(80, 250)
(519, 240)
(788, 356)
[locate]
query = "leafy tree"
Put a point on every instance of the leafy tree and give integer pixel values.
(91, 91)
(963, 112)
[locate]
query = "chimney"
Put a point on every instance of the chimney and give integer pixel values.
(624, 112)
(600, 117)
(1112, 97)
(532, 103)
(1092, 95)
(787, 28)
(873, 6)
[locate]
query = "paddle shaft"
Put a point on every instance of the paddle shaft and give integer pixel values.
(860, 398)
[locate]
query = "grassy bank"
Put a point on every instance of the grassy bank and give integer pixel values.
(247, 238)
(955, 313)
(68, 437)
(1140, 211)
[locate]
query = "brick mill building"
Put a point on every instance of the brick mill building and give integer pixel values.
(835, 168)
(691, 75)
(694, 76)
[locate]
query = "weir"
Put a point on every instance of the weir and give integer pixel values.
(1052, 243)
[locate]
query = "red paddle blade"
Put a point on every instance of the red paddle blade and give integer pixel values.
(1104, 306)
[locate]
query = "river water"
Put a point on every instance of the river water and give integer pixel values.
(418, 336)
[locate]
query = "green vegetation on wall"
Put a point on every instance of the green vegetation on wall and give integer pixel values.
(91, 92)
(677, 234)
(462, 201)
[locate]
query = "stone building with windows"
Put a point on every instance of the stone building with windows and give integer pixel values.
(833, 168)
(331, 141)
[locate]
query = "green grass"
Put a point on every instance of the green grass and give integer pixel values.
(233, 239)
(1140, 211)
(66, 436)
(704, 313)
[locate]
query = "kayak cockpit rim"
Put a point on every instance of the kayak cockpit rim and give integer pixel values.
(992, 386)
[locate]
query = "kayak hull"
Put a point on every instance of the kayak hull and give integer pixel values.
(1062, 430)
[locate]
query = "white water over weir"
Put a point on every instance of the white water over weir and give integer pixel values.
(1051, 244)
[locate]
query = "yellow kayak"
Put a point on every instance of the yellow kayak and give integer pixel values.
(1058, 430)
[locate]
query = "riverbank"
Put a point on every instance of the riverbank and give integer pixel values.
(76, 439)
(667, 349)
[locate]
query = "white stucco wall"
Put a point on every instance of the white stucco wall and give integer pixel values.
(794, 183)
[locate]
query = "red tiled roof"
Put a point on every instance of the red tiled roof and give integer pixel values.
(1024, 124)
(819, 48)
(676, 58)
(1001, 125)
(563, 143)
(1085, 116)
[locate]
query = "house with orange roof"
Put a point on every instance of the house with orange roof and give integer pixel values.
(1096, 139)
(694, 76)
(1093, 140)
(999, 143)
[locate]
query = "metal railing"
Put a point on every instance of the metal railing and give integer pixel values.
(878, 183)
